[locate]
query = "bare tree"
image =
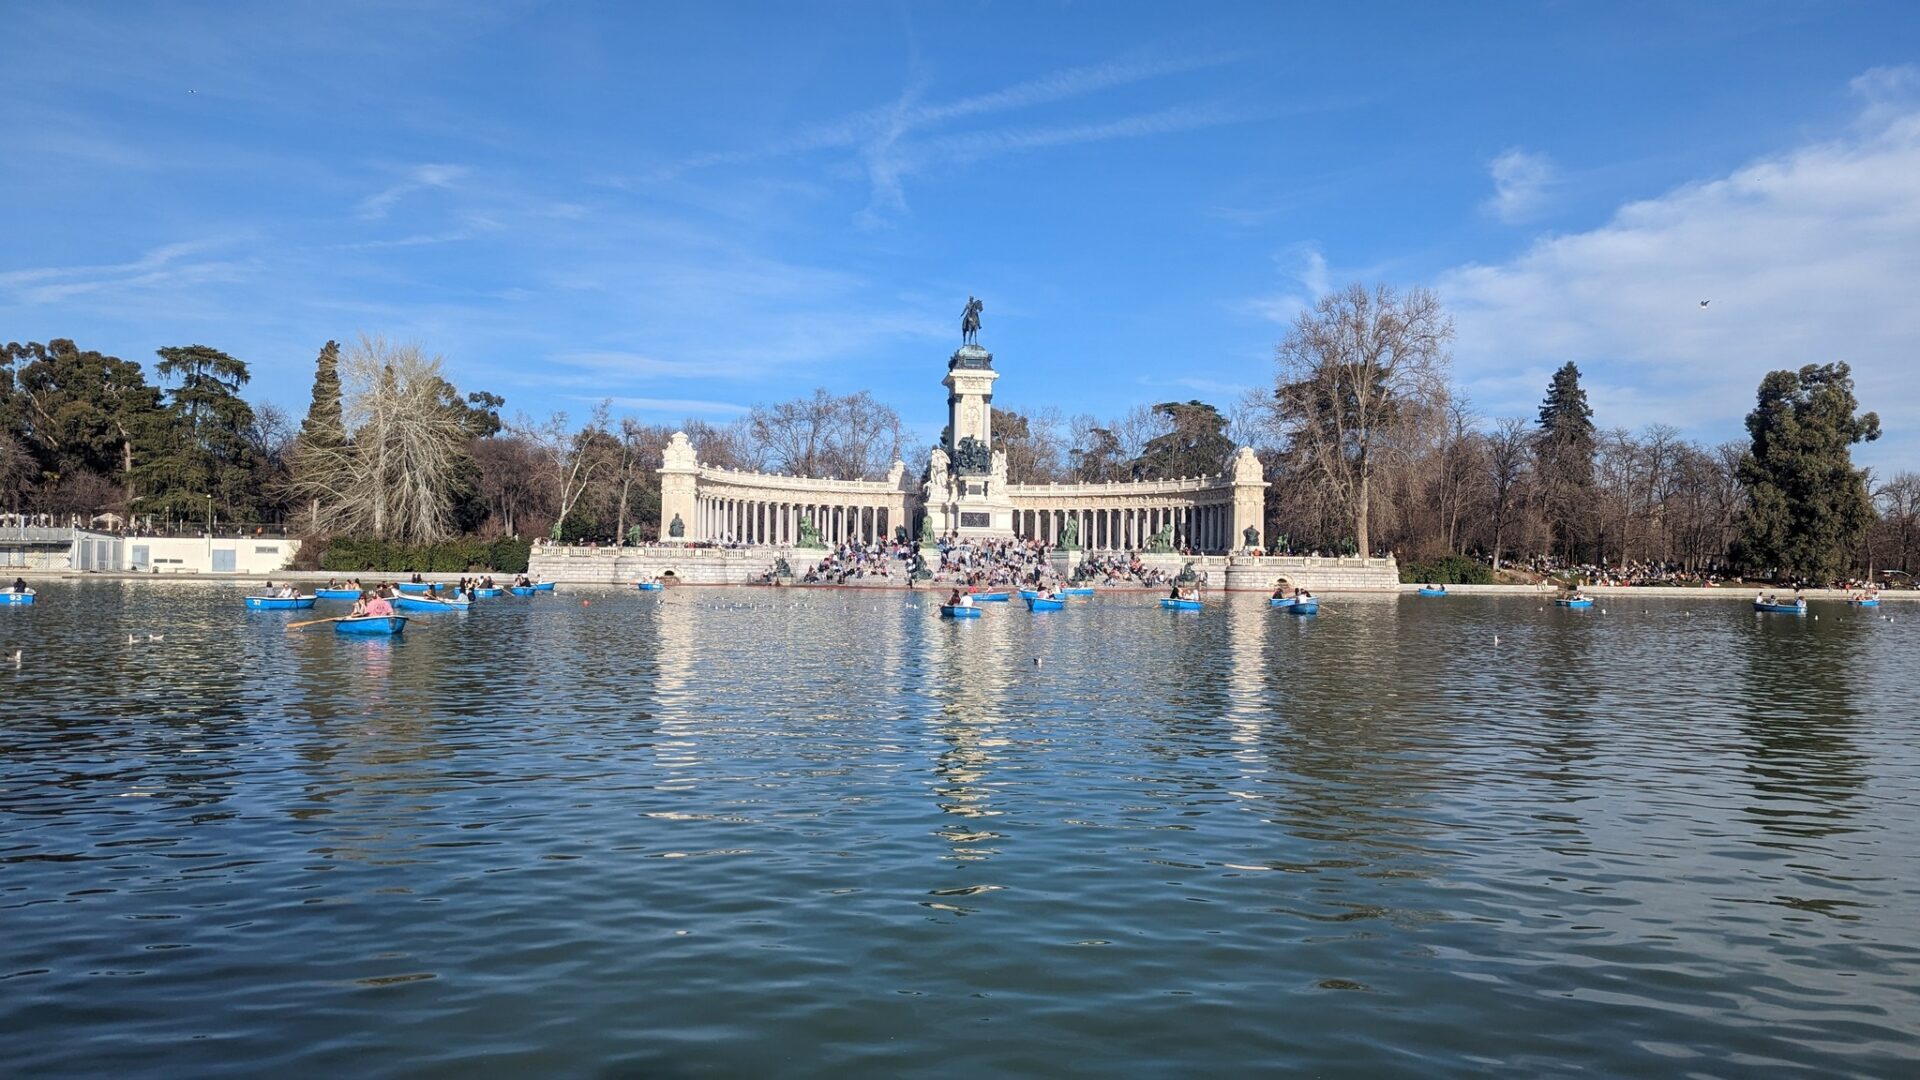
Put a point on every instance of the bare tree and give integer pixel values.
(409, 444)
(569, 459)
(852, 437)
(1507, 453)
(1354, 370)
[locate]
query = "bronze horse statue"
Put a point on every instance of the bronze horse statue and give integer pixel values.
(970, 321)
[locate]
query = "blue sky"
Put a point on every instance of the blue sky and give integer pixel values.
(693, 208)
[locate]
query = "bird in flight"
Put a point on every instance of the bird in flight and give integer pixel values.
(1704, 303)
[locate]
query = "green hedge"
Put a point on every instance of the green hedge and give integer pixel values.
(358, 554)
(1448, 570)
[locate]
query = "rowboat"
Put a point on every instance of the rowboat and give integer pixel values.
(1044, 603)
(1078, 592)
(429, 603)
(371, 625)
(959, 611)
(278, 603)
(521, 590)
(1780, 609)
(486, 594)
(1029, 594)
(1282, 601)
(16, 599)
(1577, 601)
(543, 586)
(1309, 606)
(1433, 592)
(1871, 601)
(992, 597)
(650, 586)
(337, 594)
(1171, 604)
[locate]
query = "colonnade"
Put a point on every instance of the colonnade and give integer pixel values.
(1200, 528)
(763, 521)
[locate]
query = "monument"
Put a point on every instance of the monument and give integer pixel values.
(966, 492)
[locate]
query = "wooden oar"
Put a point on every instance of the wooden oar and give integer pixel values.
(316, 622)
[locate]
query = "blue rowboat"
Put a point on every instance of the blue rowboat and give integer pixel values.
(1780, 609)
(521, 590)
(1044, 603)
(1869, 602)
(1309, 606)
(543, 586)
(337, 594)
(958, 611)
(428, 603)
(650, 586)
(1171, 604)
(16, 599)
(1029, 594)
(279, 603)
(1281, 601)
(992, 597)
(414, 586)
(1584, 601)
(486, 594)
(1078, 592)
(1433, 592)
(371, 625)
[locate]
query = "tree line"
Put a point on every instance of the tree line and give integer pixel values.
(1371, 448)
(1368, 444)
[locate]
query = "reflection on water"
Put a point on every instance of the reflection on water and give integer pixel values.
(740, 831)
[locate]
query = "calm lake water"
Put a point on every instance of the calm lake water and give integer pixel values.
(757, 832)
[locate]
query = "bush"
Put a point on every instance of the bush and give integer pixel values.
(359, 554)
(1448, 570)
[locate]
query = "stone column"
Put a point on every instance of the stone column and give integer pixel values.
(1249, 499)
(679, 488)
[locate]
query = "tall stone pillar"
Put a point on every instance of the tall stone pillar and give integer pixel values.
(679, 485)
(1249, 500)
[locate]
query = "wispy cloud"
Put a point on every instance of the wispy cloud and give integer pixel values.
(1807, 256)
(419, 178)
(1522, 181)
(1304, 269)
(892, 142)
(167, 264)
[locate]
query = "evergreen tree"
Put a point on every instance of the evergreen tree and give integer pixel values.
(81, 411)
(324, 425)
(204, 447)
(1807, 506)
(319, 464)
(1197, 445)
(1564, 449)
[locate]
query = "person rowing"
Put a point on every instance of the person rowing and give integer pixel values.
(371, 606)
(20, 585)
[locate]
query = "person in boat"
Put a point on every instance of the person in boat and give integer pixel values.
(376, 606)
(1302, 594)
(1173, 593)
(954, 599)
(1280, 592)
(20, 585)
(417, 579)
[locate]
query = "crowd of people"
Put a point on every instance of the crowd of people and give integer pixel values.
(889, 561)
(1122, 570)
